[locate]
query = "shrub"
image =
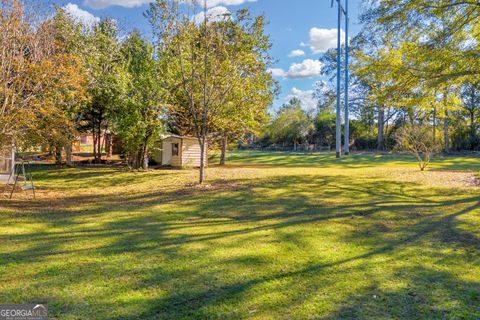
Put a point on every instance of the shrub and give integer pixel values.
(418, 140)
(366, 143)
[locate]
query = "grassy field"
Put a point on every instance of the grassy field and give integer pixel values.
(271, 236)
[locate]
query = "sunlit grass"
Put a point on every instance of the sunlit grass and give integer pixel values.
(272, 235)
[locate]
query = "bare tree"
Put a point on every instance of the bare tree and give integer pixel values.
(418, 139)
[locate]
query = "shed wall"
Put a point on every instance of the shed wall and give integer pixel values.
(166, 159)
(7, 161)
(188, 152)
(157, 152)
(191, 153)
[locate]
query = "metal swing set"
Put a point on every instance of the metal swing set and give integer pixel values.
(20, 176)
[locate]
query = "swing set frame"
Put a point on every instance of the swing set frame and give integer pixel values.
(21, 172)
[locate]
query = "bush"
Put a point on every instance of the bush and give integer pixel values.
(418, 140)
(463, 139)
(365, 143)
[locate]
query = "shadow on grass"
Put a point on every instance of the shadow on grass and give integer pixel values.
(376, 301)
(355, 160)
(251, 248)
(83, 177)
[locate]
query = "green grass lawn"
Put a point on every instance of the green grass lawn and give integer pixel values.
(271, 236)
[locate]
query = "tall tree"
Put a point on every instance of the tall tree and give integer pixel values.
(245, 110)
(23, 48)
(470, 93)
(138, 120)
(358, 88)
(291, 125)
(41, 81)
(108, 81)
(445, 35)
(204, 67)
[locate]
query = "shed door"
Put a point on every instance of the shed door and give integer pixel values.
(166, 153)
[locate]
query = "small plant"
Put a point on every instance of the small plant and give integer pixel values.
(418, 140)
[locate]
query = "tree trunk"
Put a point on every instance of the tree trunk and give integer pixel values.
(58, 155)
(381, 125)
(445, 122)
(434, 124)
(387, 121)
(94, 136)
(202, 161)
(68, 153)
(473, 130)
(446, 133)
(145, 157)
(472, 108)
(99, 142)
(136, 162)
(110, 145)
(224, 150)
(134, 159)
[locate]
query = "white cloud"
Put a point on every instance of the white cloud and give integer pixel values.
(277, 72)
(102, 4)
(296, 53)
(214, 14)
(323, 39)
(81, 16)
(309, 103)
(306, 69)
(214, 3)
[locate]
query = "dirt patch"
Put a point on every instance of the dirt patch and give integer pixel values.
(473, 181)
(434, 178)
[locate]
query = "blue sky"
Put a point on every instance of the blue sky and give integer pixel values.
(300, 31)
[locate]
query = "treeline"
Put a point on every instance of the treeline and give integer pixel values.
(199, 75)
(415, 65)
(293, 128)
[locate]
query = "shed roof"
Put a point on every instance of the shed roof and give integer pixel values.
(167, 136)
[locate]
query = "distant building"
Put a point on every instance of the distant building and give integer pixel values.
(86, 139)
(178, 151)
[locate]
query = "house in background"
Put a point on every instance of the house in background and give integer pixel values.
(86, 139)
(7, 164)
(178, 151)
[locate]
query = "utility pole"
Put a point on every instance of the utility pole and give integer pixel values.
(347, 116)
(338, 139)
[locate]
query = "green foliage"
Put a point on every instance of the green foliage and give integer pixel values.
(216, 71)
(325, 125)
(109, 80)
(291, 125)
(42, 80)
(138, 120)
(463, 139)
(417, 56)
(445, 34)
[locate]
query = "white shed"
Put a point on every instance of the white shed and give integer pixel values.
(178, 151)
(7, 164)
